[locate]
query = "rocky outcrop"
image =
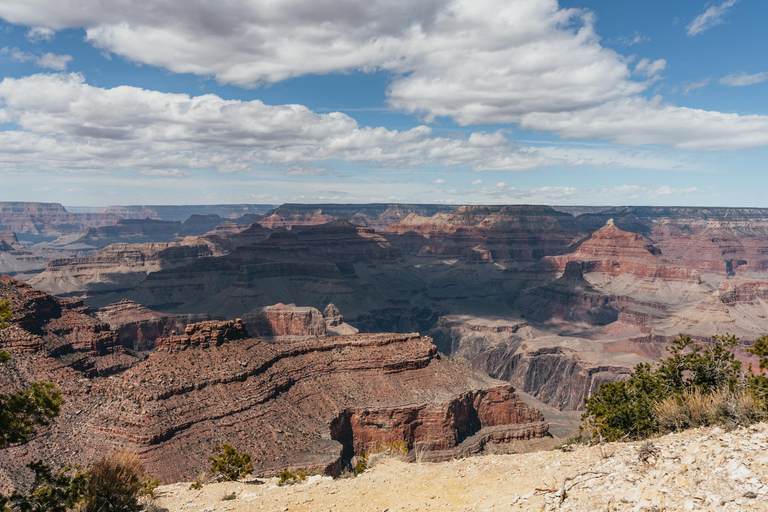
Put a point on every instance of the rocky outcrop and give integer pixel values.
(215, 384)
(46, 221)
(204, 335)
(443, 430)
(8, 241)
(557, 370)
(488, 233)
(140, 327)
(64, 332)
(120, 266)
(286, 320)
(376, 216)
(571, 299)
(613, 251)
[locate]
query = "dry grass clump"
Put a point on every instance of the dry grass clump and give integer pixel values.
(115, 484)
(694, 408)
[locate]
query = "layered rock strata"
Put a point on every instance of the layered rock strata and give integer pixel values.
(284, 404)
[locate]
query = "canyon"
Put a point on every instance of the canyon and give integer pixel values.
(553, 301)
(309, 403)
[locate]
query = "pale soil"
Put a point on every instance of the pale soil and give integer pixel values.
(703, 469)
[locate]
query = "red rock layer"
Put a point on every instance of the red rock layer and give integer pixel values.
(215, 385)
(488, 233)
(286, 320)
(613, 251)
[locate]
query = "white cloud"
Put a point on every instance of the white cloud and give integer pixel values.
(649, 68)
(637, 121)
(439, 181)
(628, 41)
(477, 182)
(39, 34)
(573, 195)
(478, 62)
(741, 79)
(692, 86)
(45, 60)
(66, 123)
(709, 18)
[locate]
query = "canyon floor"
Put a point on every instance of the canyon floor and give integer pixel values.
(701, 469)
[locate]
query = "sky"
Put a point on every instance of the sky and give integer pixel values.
(576, 102)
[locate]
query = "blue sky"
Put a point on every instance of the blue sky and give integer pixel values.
(445, 101)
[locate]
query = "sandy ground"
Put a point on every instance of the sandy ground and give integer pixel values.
(701, 469)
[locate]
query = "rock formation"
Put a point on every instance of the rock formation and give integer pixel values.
(303, 404)
(489, 233)
(286, 320)
(376, 216)
(140, 327)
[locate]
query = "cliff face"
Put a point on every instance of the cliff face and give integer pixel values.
(376, 216)
(305, 404)
(557, 370)
(64, 332)
(139, 327)
(488, 233)
(585, 293)
(38, 221)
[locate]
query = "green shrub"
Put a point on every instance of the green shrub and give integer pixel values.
(695, 385)
(361, 464)
(288, 477)
(149, 485)
(229, 497)
(5, 314)
(24, 410)
(50, 492)
(230, 464)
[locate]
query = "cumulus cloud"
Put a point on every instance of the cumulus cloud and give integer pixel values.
(711, 17)
(637, 121)
(649, 68)
(474, 60)
(39, 34)
(742, 79)
(439, 181)
(478, 62)
(45, 60)
(66, 123)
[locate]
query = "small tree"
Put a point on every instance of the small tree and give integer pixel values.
(627, 409)
(757, 383)
(230, 464)
(50, 492)
(5, 314)
(24, 410)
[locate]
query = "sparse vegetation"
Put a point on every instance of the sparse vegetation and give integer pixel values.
(361, 464)
(696, 385)
(50, 492)
(5, 313)
(648, 452)
(149, 485)
(22, 411)
(288, 477)
(229, 497)
(116, 484)
(230, 464)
